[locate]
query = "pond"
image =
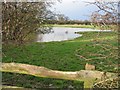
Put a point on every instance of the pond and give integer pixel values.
(61, 34)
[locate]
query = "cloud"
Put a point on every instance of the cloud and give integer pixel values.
(74, 9)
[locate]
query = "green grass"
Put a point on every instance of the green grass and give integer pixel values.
(62, 55)
(86, 26)
(74, 26)
(32, 82)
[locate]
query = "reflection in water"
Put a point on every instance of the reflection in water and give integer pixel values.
(61, 34)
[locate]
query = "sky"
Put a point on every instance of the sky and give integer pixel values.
(75, 9)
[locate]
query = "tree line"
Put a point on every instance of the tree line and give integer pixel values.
(79, 22)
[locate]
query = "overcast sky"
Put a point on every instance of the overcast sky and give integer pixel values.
(75, 9)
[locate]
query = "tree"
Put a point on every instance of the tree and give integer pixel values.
(106, 14)
(20, 19)
(61, 18)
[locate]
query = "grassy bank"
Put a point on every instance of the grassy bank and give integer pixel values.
(66, 55)
(59, 55)
(86, 26)
(74, 26)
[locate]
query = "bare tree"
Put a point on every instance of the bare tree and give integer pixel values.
(106, 14)
(20, 19)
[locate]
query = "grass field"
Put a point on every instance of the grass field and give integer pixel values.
(65, 55)
(74, 26)
(86, 26)
(32, 82)
(58, 55)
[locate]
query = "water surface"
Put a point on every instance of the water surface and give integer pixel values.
(61, 34)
